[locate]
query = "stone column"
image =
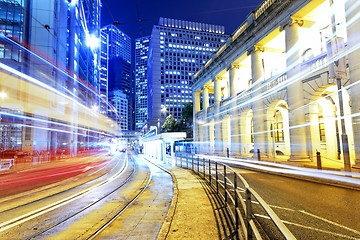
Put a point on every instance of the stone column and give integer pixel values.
(206, 137)
(298, 143)
(352, 8)
(234, 115)
(258, 106)
(196, 107)
(217, 93)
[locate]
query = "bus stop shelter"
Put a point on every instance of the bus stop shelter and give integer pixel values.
(161, 146)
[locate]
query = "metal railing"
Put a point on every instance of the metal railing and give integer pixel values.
(242, 202)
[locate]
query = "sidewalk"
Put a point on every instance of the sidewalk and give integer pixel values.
(192, 213)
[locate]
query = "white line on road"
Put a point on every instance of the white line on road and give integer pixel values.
(331, 222)
(311, 228)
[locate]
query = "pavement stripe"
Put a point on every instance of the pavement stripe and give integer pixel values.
(310, 228)
(328, 221)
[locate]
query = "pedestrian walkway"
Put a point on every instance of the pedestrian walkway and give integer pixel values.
(194, 212)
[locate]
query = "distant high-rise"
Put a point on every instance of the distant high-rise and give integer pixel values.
(141, 52)
(120, 101)
(119, 70)
(104, 66)
(177, 50)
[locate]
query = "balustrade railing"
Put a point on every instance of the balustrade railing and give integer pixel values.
(240, 200)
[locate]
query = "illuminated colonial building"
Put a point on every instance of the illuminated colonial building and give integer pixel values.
(275, 84)
(177, 50)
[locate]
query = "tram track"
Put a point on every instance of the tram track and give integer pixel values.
(70, 218)
(15, 222)
(31, 193)
(88, 206)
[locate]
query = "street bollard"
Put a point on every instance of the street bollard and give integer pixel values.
(227, 152)
(318, 158)
(187, 161)
(258, 155)
(181, 160)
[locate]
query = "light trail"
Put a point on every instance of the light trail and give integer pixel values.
(38, 212)
(58, 69)
(335, 177)
(87, 168)
(53, 123)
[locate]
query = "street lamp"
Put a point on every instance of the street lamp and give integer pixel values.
(3, 95)
(337, 70)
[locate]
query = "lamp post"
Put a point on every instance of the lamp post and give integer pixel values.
(337, 70)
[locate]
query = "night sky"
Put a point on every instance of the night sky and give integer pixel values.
(229, 13)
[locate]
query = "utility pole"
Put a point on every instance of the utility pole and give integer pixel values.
(337, 70)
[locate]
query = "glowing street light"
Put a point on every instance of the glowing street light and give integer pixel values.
(3, 95)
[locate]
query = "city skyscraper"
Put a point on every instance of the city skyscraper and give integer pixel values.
(141, 52)
(104, 66)
(119, 70)
(66, 34)
(177, 50)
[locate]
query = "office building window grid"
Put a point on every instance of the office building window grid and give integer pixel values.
(183, 51)
(141, 51)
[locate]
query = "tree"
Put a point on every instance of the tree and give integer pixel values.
(185, 123)
(170, 125)
(187, 119)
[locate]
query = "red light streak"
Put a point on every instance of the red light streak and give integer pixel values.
(87, 168)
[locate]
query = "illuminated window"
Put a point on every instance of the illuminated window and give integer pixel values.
(278, 127)
(321, 129)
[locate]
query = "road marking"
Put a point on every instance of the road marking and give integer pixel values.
(283, 208)
(311, 228)
(331, 222)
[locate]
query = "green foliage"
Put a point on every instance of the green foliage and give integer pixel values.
(185, 123)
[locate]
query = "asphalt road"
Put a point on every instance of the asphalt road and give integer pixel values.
(310, 210)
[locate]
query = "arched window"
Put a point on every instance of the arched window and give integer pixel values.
(278, 127)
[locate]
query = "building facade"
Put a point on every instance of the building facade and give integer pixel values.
(276, 84)
(119, 70)
(141, 57)
(57, 43)
(104, 66)
(120, 101)
(177, 50)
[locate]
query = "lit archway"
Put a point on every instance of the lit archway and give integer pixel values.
(326, 124)
(246, 132)
(278, 129)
